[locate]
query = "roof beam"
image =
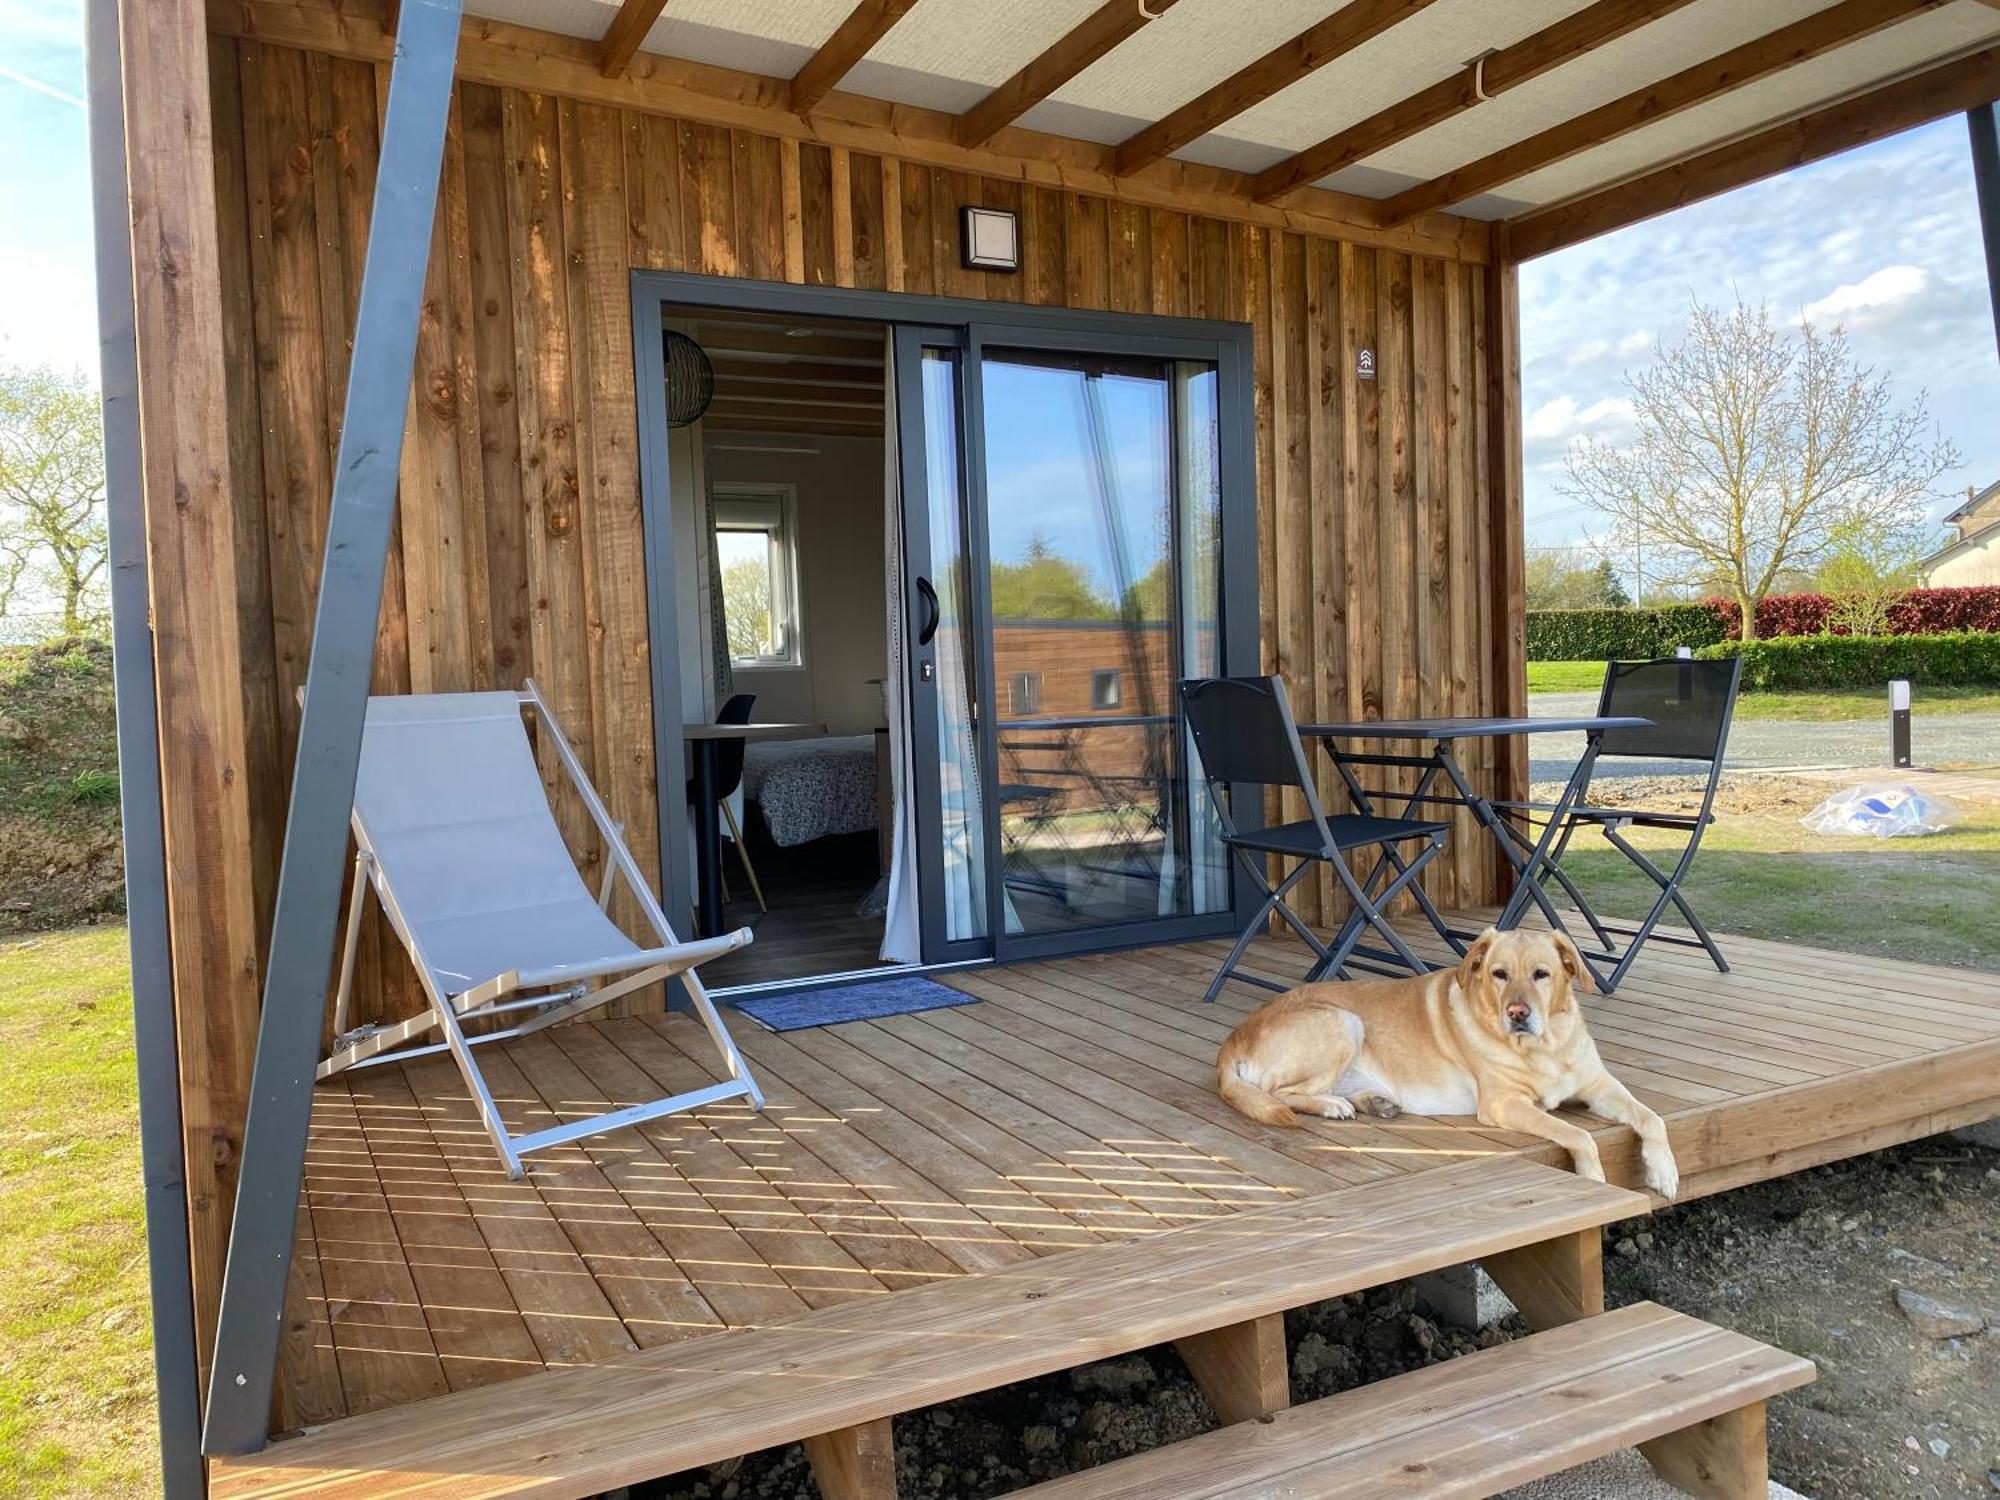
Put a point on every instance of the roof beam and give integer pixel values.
(1914, 101)
(1510, 67)
(627, 30)
(1087, 41)
(1817, 34)
(1284, 65)
(865, 25)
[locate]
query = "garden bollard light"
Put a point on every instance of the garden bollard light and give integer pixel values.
(1899, 724)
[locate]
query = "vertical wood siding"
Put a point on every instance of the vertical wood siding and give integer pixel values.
(518, 550)
(519, 547)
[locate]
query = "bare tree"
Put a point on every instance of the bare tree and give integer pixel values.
(52, 524)
(1758, 451)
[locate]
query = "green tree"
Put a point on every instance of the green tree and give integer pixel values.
(1554, 582)
(1044, 585)
(746, 606)
(1866, 572)
(52, 521)
(1758, 448)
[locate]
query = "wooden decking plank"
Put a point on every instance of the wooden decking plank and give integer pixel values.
(1223, 1165)
(381, 1341)
(728, 1275)
(478, 1331)
(835, 1203)
(572, 1321)
(1193, 1067)
(308, 1368)
(1104, 1154)
(962, 1231)
(700, 1400)
(1081, 1200)
(654, 1297)
(726, 1175)
(1474, 1425)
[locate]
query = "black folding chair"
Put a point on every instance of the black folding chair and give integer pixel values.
(1245, 734)
(1690, 704)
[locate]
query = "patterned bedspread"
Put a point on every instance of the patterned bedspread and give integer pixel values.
(812, 789)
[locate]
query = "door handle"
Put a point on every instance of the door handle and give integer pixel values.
(934, 615)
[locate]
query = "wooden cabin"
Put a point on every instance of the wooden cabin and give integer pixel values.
(1160, 339)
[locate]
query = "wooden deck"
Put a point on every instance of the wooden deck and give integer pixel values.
(1073, 1106)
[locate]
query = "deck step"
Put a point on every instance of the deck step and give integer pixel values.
(1474, 1426)
(701, 1400)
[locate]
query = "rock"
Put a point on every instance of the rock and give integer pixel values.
(1939, 1447)
(17, 903)
(1628, 1248)
(1039, 1439)
(1993, 1478)
(1937, 1320)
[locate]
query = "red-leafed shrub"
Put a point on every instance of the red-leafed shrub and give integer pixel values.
(1919, 612)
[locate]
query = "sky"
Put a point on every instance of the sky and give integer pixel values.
(1884, 240)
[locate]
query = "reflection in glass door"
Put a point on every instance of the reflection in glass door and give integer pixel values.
(1102, 519)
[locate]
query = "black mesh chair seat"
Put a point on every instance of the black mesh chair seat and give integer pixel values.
(1642, 817)
(1246, 738)
(1302, 840)
(1689, 705)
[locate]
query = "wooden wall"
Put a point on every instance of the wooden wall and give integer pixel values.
(1381, 525)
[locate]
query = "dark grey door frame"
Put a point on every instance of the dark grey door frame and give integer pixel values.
(1017, 324)
(314, 866)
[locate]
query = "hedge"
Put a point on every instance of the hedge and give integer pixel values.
(1620, 634)
(1959, 658)
(1919, 612)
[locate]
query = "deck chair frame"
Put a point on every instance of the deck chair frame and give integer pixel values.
(545, 996)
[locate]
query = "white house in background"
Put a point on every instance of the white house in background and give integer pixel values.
(1972, 555)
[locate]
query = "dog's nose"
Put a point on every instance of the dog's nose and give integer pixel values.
(1517, 1010)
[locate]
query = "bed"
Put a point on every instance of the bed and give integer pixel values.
(813, 789)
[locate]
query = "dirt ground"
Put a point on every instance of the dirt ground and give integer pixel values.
(1812, 1262)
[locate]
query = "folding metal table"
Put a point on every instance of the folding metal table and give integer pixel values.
(1441, 734)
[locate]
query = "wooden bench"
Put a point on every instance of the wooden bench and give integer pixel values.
(833, 1378)
(1691, 1396)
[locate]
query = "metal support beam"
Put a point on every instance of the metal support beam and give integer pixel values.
(329, 750)
(176, 1374)
(1986, 183)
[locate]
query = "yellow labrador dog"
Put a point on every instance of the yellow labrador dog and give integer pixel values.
(1500, 1037)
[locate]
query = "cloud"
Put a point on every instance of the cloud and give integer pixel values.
(1562, 419)
(1871, 298)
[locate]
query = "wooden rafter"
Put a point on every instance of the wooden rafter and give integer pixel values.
(865, 25)
(1817, 34)
(1087, 41)
(1561, 42)
(1913, 101)
(1278, 69)
(627, 30)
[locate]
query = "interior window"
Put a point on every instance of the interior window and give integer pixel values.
(757, 556)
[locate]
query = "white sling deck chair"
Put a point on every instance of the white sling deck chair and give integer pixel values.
(454, 836)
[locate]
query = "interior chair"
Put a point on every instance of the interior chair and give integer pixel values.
(1690, 704)
(455, 839)
(728, 778)
(1247, 739)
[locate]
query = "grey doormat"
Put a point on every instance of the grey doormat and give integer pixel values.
(861, 1001)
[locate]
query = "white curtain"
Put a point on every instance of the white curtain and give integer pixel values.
(902, 933)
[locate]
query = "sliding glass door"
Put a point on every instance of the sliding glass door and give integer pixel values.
(1064, 522)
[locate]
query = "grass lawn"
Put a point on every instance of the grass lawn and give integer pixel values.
(1588, 677)
(76, 1373)
(1760, 874)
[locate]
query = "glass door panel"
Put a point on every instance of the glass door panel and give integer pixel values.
(1102, 516)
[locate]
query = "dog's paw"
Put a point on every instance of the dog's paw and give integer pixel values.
(1663, 1176)
(1336, 1108)
(1382, 1107)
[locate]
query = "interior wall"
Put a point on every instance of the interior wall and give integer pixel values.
(842, 582)
(1383, 507)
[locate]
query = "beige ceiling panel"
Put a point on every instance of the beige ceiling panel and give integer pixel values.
(566, 17)
(1433, 44)
(1865, 64)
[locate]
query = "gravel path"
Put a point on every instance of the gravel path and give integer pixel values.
(1772, 744)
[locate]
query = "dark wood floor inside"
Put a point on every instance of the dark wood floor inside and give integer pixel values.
(815, 894)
